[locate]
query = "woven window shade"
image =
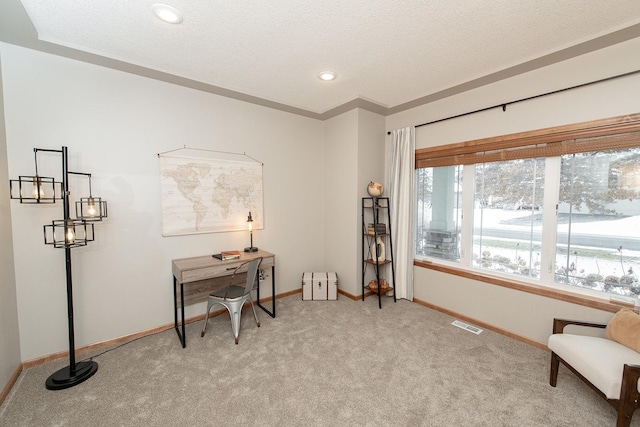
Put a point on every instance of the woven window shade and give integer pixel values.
(600, 135)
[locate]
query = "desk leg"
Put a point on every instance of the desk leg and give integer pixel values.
(181, 336)
(271, 313)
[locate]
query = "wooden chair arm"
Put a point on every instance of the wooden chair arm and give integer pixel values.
(633, 368)
(559, 324)
(631, 374)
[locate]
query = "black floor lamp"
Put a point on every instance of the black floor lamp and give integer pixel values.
(66, 233)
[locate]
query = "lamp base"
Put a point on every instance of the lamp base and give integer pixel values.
(64, 378)
(251, 249)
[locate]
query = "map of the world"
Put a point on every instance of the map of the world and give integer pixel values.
(202, 195)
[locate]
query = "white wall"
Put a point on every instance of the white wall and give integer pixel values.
(522, 313)
(9, 332)
(371, 167)
(354, 155)
(114, 125)
(341, 149)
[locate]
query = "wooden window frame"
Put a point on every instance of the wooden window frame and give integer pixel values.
(597, 135)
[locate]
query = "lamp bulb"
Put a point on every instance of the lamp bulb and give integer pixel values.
(70, 236)
(91, 207)
(37, 192)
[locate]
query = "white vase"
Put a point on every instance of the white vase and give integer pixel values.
(380, 255)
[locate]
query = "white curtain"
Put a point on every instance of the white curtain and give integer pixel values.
(401, 183)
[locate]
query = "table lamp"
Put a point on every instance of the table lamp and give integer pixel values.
(250, 222)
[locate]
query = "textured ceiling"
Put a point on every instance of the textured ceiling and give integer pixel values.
(388, 52)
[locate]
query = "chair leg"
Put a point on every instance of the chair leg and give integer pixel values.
(629, 396)
(623, 420)
(553, 376)
(235, 313)
(206, 319)
(255, 315)
(235, 321)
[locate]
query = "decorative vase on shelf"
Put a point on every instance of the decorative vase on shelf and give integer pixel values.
(380, 255)
(374, 189)
(384, 285)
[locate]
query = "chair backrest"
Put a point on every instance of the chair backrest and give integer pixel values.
(252, 273)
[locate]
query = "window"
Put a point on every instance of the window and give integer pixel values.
(559, 206)
(507, 216)
(439, 212)
(598, 244)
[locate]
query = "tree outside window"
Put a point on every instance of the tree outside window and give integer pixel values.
(507, 216)
(598, 246)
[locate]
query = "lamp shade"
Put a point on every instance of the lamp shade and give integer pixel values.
(91, 209)
(35, 189)
(250, 222)
(70, 233)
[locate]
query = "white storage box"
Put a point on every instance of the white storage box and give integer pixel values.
(320, 286)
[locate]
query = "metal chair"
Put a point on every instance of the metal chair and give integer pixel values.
(233, 297)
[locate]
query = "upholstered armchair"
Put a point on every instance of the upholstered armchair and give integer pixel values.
(610, 365)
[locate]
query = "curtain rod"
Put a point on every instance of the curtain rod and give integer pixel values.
(504, 104)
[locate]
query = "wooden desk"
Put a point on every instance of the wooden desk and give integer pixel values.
(199, 276)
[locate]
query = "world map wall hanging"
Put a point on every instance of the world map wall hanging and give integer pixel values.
(204, 195)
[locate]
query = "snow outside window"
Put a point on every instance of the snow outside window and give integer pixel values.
(591, 218)
(507, 216)
(598, 241)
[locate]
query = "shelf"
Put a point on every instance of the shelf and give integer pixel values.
(377, 241)
(380, 203)
(375, 291)
(373, 261)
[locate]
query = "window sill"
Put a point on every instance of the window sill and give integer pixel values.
(545, 291)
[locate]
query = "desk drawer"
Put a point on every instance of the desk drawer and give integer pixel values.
(209, 272)
(200, 271)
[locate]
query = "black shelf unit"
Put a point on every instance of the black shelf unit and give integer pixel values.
(375, 211)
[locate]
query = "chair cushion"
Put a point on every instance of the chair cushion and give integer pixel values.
(625, 329)
(599, 360)
(234, 292)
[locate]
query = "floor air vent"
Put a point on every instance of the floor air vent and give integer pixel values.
(467, 327)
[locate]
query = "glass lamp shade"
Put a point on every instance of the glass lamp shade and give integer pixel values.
(91, 209)
(35, 189)
(68, 234)
(250, 225)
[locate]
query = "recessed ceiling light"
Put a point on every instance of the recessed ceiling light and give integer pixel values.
(327, 76)
(167, 13)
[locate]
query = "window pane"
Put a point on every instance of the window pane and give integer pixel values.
(507, 216)
(598, 245)
(439, 210)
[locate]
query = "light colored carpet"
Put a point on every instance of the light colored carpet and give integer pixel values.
(342, 363)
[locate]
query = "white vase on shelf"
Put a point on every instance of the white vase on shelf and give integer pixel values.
(380, 255)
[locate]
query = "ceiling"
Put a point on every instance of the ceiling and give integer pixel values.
(388, 55)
